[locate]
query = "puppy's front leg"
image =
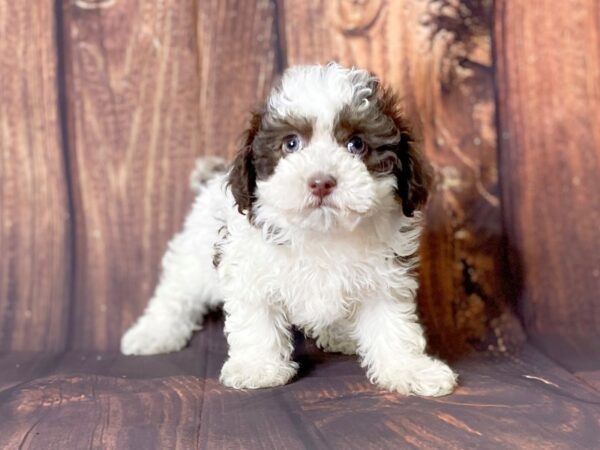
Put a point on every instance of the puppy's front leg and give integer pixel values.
(260, 345)
(392, 349)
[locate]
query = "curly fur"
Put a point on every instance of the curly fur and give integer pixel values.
(340, 267)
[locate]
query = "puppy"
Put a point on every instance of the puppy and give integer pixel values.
(315, 225)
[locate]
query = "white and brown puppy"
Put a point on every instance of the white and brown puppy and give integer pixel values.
(315, 225)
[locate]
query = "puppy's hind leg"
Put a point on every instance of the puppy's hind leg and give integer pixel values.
(187, 289)
(336, 338)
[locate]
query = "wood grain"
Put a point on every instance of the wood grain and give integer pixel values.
(175, 401)
(237, 45)
(154, 84)
(34, 216)
(549, 111)
(133, 94)
(441, 63)
(151, 85)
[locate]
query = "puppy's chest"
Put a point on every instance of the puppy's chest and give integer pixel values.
(320, 287)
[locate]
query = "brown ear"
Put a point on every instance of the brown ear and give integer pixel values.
(242, 177)
(242, 180)
(413, 175)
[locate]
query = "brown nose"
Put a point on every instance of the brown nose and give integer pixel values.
(321, 184)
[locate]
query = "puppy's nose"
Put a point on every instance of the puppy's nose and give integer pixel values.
(321, 184)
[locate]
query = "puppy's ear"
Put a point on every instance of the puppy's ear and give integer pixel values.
(242, 177)
(413, 174)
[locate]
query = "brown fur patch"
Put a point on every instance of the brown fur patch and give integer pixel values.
(218, 246)
(242, 177)
(261, 152)
(412, 171)
(391, 147)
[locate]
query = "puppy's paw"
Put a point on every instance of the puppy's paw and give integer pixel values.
(423, 376)
(248, 374)
(335, 344)
(433, 378)
(150, 337)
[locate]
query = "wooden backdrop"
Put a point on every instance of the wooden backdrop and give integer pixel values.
(105, 104)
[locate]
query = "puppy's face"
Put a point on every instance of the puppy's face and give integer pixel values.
(329, 148)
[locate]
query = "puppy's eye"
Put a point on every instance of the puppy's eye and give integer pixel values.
(291, 143)
(356, 145)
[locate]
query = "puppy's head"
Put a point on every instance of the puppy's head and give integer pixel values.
(329, 147)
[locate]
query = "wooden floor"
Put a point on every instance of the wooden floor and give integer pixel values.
(97, 400)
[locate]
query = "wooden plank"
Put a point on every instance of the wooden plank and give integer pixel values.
(34, 218)
(237, 44)
(134, 96)
(154, 84)
(175, 401)
(548, 58)
(439, 57)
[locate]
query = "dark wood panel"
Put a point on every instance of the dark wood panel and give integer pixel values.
(549, 89)
(34, 217)
(133, 95)
(154, 84)
(174, 401)
(440, 60)
(237, 45)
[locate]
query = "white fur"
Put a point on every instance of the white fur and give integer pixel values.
(320, 91)
(328, 269)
